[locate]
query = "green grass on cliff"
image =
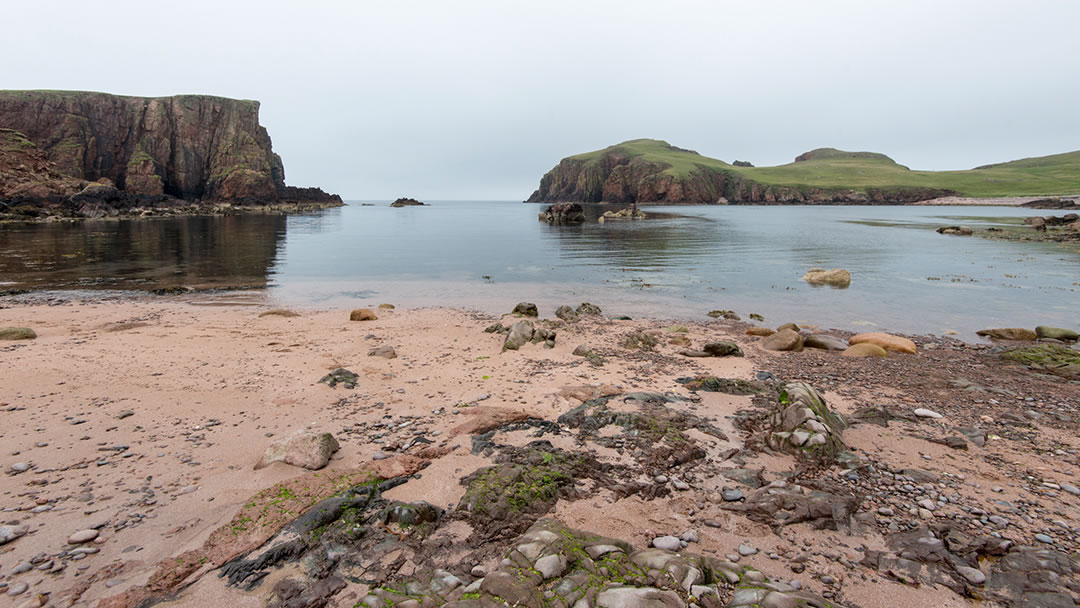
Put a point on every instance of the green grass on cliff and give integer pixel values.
(829, 169)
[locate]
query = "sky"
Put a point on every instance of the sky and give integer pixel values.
(476, 100)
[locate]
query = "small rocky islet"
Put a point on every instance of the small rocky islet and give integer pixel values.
(744, 476)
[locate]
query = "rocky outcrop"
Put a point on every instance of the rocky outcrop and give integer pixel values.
(563, 213)
(407, 202)
(618, 175)
(143, 152)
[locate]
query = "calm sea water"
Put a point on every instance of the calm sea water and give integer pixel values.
(679, 263)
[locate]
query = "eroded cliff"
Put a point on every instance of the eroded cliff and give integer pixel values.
(194, 148)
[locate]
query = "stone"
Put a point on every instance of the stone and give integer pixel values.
(1009, 333)
(886, 341)
(563, 213)
(956, 230)
(637, 597)
(1056, 333)
(9, 533)
(973, 576)
(17, 333)
(837, 277)
(18, 588)
(567, 314)
(732, 495)
(279, 312)
(1071, 489)
(587, 309)
(825, 342)
(1043, 538)
(690, 536)
(363, 314)
(763, 332)
(925, 413)
(864, 350)
(302, 448)
(19, 467)
(667, 543)
(746, 550)
(525, 309)
(385, 351)
(340, 375)
(521, 333)
(82, 536)
(551, 566)
(723, 348)
(783, 340)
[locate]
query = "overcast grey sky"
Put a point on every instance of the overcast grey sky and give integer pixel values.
(476, 100)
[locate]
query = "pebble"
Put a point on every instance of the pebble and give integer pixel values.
(188, 489)
(1071, 489)
(478, 572)
(690, 536)
(381, 455)
(732, 495)
(747, 550)
(17, 589)
(925, 413)
(20, 467)
(22, 567)
(680, 485)
(971, 575)
(660, 479)
(1042, 538)
(82, 536)
(667, 543)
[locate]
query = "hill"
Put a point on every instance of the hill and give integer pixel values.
(654, 171)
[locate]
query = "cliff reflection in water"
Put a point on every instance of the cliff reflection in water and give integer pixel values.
(195, 251)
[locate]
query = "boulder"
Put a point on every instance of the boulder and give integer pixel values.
(385, 351)
(525, 309)
(587, 309)
(302, 448)
(567, 314)
(406, 202)
(1056, 333)
(1009, 333)
(784, 340)
(802, 420)
(723, 348)
(790, 326)
(362, 314)
(760, 331)
(957, 230)
(863, 350)
(825, 342)
(17, 333)
(886, 341)
(563, 213)
(521, 333)
(730, 315)
(837, 277)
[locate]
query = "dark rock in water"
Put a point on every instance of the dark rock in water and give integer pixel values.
(17, 333)
(957, 230)
(340, 375)
(586, 308)
(526, 309)
(407, 202)
(567, 314)
(730, 386)
(563, 213)
(723, 348)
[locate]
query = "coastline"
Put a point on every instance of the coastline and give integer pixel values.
(180, 209)
(210, 384)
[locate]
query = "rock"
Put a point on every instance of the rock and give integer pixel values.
(340, 375)
(386, 307)
(637, 597)
(957, 230)
(791, 326)
(18, 588)
(640, 340)
(587, 309)
(690, 536)
(1071, 489)
(551, 566)
(667, 543)
(971, 575)
(302, 448)
(362, 314)
(385, 351)
(886, 341)
(9, 533)
(723, 348)
(865, 350)
(563, 213)
(801, 420)
(1043, 538)
(837, 277)
(1008, 333)
(730, 315)
(825, 342)
(19, 467)
(521, 333)
(760, 331)
(82, 536)
(784, 340)
(17, 333)
(1056, 333)
(567, 314)
(279, 312)
(732, 495)
(746, 550)
(406, 202)
(956, 442)
(525, 309)
(925, 413)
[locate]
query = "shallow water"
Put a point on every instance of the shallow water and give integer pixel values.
(680, 263)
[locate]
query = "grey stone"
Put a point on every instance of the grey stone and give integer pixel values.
(10, 533)
(82, 536)
(732, 495)
(302, 448)
(17, 589)
(551, 566)
(667, 543)
(747, 550)
(971, 575)
(1042, 538)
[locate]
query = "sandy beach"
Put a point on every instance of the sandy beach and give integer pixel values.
(142, 420)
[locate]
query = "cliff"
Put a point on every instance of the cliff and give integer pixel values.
(652, 171)
(152, 151)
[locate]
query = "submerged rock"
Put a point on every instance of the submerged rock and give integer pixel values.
(957, 230)
(563, 213)
(837, 277)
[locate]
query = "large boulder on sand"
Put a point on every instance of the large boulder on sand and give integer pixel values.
(886, 341)
(837, 277)
(1009, 333)
(824, 342)
(785, 339)
(362, 314)
(17, 333)
(802, 421)
(863, 350)
(302, 448)
(525, 309)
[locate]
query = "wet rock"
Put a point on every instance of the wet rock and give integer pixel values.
(302, 448)
(525, 309)
(784, 340)
(864, 350)
(17, 333)
(563, 213)
(340, 376)
(837, 277)
(887, 341)
(385, 351)
(1009, 333)
(587, 309)
(730, 315)
(825, 342)
(956, 230)
(1056, 333)
(723, 348)
(362, 314)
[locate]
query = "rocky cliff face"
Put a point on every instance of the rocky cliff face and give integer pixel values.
(188, 147)
(618, 177)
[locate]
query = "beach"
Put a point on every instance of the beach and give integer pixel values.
(143, 418)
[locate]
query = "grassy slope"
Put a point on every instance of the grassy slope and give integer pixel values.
(834, 169)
